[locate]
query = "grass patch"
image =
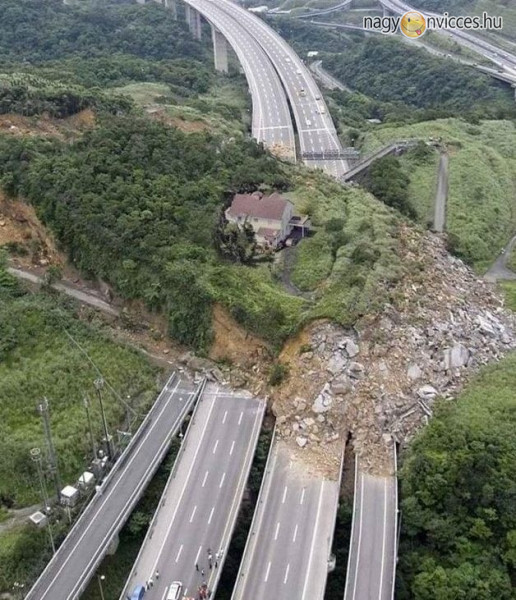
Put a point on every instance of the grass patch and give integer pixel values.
(481, 209)
(423, 184)
(351, 261)
(511, 261)
(509, 291)
(314, 261)
(144, 92)
(38, 360)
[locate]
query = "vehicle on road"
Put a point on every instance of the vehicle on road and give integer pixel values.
(138, 593)
(308, 123)
(174, 593)
(302, 92)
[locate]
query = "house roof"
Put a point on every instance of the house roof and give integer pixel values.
(258, 205)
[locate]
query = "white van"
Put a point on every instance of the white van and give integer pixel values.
(174, 593)
(308, 123)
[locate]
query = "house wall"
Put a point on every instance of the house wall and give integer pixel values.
(275, 224)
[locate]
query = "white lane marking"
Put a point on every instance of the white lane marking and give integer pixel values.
(222, 480)
(240, 418)
(243, 473)
(359, 535)
(286, 573)
(187, 478)
(314, 539)
(211, 515)
(215, 447)
(179, 553)
(384, 537)
(277, 530)
(197, 557)
(108, 495)
(193, 513)
(165, 593)
(302, 496)
(205, 478)
(284, 495)
(232, 448)
(268, 571)
(224, 417)
(295, 534)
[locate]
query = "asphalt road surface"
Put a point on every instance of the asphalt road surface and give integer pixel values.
(287, 553)
(70, 569)
(372, 560)
(272, 123)
(315, 127)
(201, 501)
(499, 270)
(85, 297)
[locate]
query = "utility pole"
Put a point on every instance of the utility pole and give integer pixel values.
(35, 455)
(100, 580)
(92, 437)
(99, 384)
(43, 410)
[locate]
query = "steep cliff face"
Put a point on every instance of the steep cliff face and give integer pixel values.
(380, 380)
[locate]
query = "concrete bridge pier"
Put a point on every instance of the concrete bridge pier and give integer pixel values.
(193, 18)
(220, 50)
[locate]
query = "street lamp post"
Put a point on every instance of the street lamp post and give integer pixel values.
(101, 578)
(35, 455)
(99, 384)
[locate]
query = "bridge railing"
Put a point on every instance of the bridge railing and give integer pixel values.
(198, 394)
(332, 154)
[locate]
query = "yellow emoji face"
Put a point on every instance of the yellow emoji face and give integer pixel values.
(413, 24)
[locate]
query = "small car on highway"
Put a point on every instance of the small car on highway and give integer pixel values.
(174, 592)
(138, 593)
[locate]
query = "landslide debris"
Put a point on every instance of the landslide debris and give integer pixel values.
(380, 380)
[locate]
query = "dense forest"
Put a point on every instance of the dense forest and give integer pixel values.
(137, 204)
(418, 80)
(42, 30)
(102, 44)
(29, 96)
(411, 85)
(459, 497)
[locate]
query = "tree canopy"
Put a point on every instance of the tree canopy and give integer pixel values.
(459, 497)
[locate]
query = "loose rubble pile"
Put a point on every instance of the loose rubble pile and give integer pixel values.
(379, 382)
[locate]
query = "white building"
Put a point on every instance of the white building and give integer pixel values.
(269, 216)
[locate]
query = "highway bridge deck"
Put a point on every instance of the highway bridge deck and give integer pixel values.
(315, 126)
(199, 506)
(373, 547)
(271, 120)
(289, 544)
(69, 571)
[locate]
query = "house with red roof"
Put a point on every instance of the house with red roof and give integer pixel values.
(269, 216)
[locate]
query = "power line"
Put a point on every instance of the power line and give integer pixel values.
(108, 385)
